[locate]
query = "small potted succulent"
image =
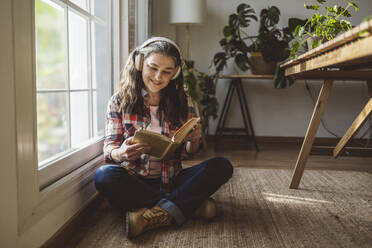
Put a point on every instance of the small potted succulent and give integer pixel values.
(322, 27)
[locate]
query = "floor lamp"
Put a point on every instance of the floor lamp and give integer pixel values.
(187, 13)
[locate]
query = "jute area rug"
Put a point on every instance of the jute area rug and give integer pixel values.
(256, 209)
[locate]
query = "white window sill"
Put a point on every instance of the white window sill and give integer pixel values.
(53, 195)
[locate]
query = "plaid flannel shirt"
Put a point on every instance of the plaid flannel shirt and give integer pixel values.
(122, 125)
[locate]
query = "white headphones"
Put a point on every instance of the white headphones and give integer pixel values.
(138, 59)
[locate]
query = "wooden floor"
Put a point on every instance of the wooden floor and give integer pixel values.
(277, 156)
(241, 154)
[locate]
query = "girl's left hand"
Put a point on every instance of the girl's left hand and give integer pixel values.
(194, 135)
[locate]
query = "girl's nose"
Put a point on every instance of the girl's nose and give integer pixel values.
(157, 75)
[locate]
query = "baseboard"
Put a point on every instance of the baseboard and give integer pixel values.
(59, 238)
(288, 139)
(321, 145)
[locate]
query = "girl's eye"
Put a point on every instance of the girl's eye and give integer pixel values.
(167, 72)
(153, 68)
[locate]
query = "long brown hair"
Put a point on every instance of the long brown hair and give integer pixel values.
(173, 102)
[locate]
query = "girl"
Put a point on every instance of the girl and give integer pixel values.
(155, 192)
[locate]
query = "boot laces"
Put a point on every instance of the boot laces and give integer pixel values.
(156, 217)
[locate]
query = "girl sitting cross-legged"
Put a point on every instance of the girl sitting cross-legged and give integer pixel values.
(155, 192)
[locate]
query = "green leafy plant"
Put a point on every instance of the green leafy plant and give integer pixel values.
(233, 43)
(190, 80)
(208, 99)
(323, 27)
(271, 41)
(202, 89)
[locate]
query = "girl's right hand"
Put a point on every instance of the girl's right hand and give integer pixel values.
(129, 150)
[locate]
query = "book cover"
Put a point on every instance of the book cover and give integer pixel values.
(162, 146)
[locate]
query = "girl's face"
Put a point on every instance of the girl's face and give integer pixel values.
(157, 71)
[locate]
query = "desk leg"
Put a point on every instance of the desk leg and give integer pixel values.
(357, 123)
(369, 85)
(310, 134)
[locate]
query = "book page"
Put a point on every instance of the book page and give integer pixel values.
(181, 133)
(158, 143)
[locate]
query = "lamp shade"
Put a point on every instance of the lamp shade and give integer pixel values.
(186, 11)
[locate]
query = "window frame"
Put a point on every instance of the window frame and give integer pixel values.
(65, 163)
(34, 203)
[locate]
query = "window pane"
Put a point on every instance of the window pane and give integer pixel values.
(79, 118)
(81, 3)
(101, 72)
(78, 51)
(50, 45)
(100, 9)
(98, 119)
(52, 124)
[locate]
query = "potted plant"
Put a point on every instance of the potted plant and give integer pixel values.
(233, 44)
(270, 45)
(271, 42)
(201, 88)
(190, 80)
(322, 27)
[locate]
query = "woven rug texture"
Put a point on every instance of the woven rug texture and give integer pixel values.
(256, 209)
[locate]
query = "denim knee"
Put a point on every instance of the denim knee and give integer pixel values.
(102, 177)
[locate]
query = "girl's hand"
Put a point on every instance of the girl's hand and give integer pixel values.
(129, 150)
(194, 135)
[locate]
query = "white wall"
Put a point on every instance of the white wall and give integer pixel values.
(275, 112)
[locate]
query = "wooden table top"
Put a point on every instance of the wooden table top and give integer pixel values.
(246, 76)
(348, 50)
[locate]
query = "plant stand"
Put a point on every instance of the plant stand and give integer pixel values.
(236, 84)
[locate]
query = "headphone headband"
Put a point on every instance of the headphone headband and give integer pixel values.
(155, 39)
(138, 59)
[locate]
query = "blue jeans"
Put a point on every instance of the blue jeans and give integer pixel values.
(192, 186)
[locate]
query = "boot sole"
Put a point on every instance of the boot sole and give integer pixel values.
(127, 224)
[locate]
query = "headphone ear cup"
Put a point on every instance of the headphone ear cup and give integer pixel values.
(138, 61)
(177, 73)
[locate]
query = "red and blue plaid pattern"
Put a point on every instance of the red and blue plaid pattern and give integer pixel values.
(122, 125)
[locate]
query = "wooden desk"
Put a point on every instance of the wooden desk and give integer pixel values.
(347, 57)
(236, 84)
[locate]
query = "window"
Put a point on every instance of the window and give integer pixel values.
(73, 82)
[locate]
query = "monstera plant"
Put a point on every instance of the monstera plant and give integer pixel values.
(271, 41)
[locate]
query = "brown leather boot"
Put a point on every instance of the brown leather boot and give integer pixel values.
(146, 219)
(207, 210)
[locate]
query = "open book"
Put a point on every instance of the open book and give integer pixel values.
(162, 146)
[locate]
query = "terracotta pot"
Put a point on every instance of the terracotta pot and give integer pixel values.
(260, 66)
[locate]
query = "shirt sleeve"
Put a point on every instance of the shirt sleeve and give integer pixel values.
(113, 129)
